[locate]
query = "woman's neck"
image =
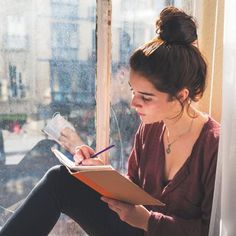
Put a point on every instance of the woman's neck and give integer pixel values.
(183, 124)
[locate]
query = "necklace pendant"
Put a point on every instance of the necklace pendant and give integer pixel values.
(168, 150)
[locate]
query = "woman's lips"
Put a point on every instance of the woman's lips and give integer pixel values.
(141, 114)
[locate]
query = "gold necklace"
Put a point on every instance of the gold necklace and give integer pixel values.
(169, 144)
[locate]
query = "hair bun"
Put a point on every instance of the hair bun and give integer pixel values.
(176, 27)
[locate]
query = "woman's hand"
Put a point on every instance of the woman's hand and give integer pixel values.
(134, 215)
(70, 140)
(83, 155)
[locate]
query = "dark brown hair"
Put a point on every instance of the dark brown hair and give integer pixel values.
(171, 62)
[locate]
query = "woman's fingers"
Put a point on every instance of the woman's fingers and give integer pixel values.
(87, 151)
(92, 162)
(117, 206)
(83, 153)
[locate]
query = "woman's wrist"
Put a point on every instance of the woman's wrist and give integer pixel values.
(146, 220)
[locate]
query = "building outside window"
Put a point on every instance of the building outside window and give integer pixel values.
(64, 9)
(65, 40)
(16, 37)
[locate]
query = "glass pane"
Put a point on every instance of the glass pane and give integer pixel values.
(47, 65)
(131, 27)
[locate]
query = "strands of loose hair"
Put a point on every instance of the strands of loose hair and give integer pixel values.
(151, 46)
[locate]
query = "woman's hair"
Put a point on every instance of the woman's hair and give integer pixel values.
(172, 62)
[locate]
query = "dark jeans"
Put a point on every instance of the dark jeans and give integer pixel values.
(58, 192)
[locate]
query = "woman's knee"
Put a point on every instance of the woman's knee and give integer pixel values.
(55, 174)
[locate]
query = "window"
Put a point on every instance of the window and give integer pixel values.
(65, 40)
(15, 37)
(64, 9)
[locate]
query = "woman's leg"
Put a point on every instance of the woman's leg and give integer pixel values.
(39, 212)
(58, 192)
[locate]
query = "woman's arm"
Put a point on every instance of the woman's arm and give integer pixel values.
(134, 215)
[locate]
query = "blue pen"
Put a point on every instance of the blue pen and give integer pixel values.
(103, 150)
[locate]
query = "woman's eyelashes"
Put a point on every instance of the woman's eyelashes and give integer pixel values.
(144, 98)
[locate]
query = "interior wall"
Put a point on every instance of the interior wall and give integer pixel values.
(211, 24)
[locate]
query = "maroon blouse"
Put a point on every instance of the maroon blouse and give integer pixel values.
(188, 197)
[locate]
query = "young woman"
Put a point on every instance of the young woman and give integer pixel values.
(173, 158)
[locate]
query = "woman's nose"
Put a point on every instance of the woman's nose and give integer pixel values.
(135, 102)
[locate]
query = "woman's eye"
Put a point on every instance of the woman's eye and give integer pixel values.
(146, 99)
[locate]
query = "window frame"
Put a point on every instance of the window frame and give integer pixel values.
(103, 80)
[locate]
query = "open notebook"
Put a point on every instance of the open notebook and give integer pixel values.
(108, 182)
(65, 160)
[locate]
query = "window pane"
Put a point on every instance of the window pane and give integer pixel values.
(47, 65)
(131, 27)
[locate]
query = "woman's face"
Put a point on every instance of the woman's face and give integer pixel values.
(151, 104)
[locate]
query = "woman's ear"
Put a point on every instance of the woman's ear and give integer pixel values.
(183, 94)
(195, 43)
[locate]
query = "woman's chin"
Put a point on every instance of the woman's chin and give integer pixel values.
(147, 121)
